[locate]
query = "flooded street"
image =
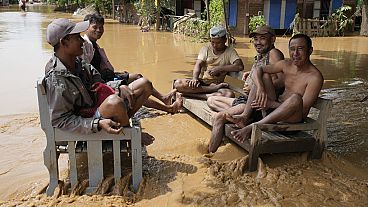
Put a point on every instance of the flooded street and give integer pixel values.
(176, 173)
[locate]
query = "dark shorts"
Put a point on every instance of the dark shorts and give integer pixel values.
(257, 115)
(240, 100)
(124, 77)
(109, 75)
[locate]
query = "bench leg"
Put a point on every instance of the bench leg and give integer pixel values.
(117, 160)
(317, 150)
(72, 164)
(136, 158)
(95, 165)
(254, 150)
(253, 158)
(51, 163)
(320, 136)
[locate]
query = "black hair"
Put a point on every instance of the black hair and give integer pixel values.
(95, 18)
(303, 36)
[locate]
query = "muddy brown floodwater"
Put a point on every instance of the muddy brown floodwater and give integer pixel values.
(176, 173)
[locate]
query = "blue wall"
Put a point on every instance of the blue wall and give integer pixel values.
(233, 12)
(336, 4)
(275, 14)
(289, 12)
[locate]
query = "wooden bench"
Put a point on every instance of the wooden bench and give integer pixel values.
(59, 141)
(309, 136)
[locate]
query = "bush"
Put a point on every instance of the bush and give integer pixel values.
(256, 21)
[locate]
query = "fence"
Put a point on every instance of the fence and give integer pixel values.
(316, 27)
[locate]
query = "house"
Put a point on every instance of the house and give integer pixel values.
(4, 2)
(279, 13)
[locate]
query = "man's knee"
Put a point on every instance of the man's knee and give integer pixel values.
(113, 104)
(179, 83)
(226, 93)
(112, 101)
(266, 77)
(147, 84)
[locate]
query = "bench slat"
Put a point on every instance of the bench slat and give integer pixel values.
(95, 163)
(72, 164)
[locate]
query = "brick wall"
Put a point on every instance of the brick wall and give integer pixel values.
(254, 7)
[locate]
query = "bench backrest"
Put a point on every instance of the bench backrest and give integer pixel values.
(43, 107)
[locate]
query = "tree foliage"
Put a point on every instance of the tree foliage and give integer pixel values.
(339, 16)
(256, 21)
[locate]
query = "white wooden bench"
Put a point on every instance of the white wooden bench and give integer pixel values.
(58, 139)
(309, 136)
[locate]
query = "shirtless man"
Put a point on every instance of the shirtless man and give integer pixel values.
(221, 59)
(303, 82)
(263, 40)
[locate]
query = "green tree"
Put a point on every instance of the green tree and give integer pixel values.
(342, 20)
(217, 15)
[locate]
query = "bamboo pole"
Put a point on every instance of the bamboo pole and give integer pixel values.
(226, 24)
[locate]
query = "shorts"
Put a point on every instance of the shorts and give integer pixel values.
(257, 115)
(240, 100)
(109, 75)
(124, 77)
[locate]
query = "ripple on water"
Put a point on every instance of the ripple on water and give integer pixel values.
(347, 125)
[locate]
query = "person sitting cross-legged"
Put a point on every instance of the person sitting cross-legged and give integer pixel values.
(213, 63)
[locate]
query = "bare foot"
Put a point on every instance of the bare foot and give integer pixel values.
(222, 85)
(177, 105)
(239, 120)
(242, 134)
(168, 97)
(147, 139)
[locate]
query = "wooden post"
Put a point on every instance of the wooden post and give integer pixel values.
(226, 25)
(254, 150)
(113, 9)
(330, 8)
(246, 19)
(158, 22)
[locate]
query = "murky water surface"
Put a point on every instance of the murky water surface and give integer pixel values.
(163, 57)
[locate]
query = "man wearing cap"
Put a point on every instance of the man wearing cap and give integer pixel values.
(302, 82)
(96, 56)
(213, 63)
(69, 83)
(263, 40)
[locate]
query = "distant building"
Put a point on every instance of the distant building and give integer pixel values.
(4, 2)
(278, 13)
